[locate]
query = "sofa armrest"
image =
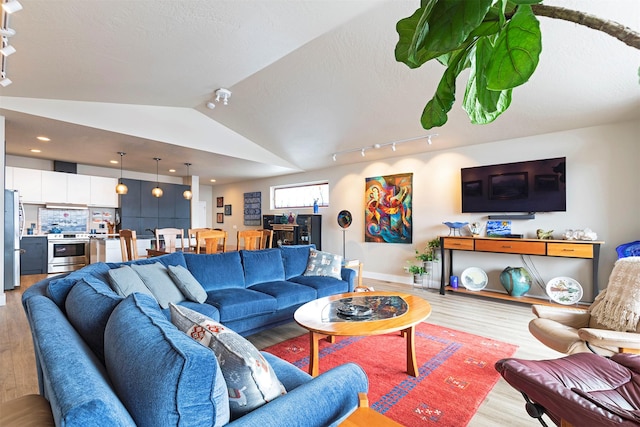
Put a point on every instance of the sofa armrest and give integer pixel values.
(608, 338)
(574, 317)
(349, 276)
(322, 401)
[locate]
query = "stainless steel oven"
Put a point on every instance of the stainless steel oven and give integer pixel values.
(67, 252)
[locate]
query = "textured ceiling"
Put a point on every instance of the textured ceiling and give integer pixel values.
(309, 78)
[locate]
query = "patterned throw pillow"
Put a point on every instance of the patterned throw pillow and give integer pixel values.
(323, 264)
(250, 380)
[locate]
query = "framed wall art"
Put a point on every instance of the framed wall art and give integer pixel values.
(388, 211)
(219, 202)
(227, 210)
(220, 218)
(253, 208)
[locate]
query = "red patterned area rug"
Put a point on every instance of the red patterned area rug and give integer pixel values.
(456, 371)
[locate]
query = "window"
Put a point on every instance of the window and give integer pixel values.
(300, 195)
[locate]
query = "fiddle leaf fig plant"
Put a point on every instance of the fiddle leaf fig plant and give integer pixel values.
(498, 40)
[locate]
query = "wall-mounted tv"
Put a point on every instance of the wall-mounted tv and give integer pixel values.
(532, 186)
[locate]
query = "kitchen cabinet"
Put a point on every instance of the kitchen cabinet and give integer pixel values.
(8, 178)
(33, 256)
(29, 183)
(103, 192)
(108, 250)
(60, 187)
(141, 211)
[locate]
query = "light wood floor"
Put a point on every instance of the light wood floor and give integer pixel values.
(501, 320)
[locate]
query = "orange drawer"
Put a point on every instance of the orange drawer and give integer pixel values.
(458, 244)
(511, 247)
(572, 250)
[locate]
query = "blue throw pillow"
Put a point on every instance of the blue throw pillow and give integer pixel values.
(187, 284)
(156, 278)
(125, 281)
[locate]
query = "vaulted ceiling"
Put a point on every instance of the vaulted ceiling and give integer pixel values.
(308, 78)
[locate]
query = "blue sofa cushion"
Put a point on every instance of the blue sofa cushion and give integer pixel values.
(295, 258)
(124, 281)
(73, 380)
(174, 258)
(188, 285)
(324, 286)
(323, 264)
(216, 271)
(262, 266)
(156, 277)
(89, 305)
(249, 377)
(286, 294)
(171, 380)
(236, 304)
(57, 289)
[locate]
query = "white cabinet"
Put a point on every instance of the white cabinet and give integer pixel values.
(8, 178)
(103, 192)
(29, 183)
(108, 250)
(60, 187)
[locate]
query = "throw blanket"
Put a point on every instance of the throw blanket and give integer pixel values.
(619, 303)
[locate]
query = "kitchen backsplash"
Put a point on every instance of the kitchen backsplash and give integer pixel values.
(64, 219)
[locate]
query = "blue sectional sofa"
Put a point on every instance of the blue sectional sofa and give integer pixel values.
(104, 359)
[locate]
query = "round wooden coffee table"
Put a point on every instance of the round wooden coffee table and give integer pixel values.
(322, 320)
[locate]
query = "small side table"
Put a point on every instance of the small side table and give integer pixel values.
(356, 265)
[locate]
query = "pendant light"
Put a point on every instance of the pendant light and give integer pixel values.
(121, 188)
(157, 191)
(187, 193)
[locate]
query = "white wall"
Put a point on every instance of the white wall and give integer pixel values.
(602, 194)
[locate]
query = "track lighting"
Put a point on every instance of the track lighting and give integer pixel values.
(7, 50)
(157, 191)
(5, 82)
(121, 188)
(11, 6)
(7, 32)
(377, 146)
(221, 95)
(187, 194)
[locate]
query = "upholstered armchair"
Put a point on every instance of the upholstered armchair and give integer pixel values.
(610, 325)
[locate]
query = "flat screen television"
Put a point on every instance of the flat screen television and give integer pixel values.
(532, 186)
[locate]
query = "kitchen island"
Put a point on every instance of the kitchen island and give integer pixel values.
(106, 247)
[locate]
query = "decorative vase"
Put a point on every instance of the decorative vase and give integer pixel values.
(516, 280)
(315, 206)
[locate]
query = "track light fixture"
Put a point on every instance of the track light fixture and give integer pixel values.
(157, 191)
(221, 95)
(121, 188)
(187, 194)
(6, 49)
(377, 146)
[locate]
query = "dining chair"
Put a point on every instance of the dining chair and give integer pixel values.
(251, 239)
(170, 238)
(267, 239)
(214, 241)
(128, 245)
(192, 238)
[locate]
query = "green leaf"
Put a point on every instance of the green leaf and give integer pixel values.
(481, 104)
(441, 26)
(517, 51)
(526, 1)
(435, 112)
(412, 31)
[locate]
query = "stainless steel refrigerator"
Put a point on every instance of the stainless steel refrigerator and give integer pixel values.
(13, 226)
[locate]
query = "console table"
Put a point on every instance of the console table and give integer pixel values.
(554, 248)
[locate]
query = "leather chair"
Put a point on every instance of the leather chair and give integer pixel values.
(600, 327)
(583, 389)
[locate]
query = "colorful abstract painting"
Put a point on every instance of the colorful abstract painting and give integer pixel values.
(388, 217)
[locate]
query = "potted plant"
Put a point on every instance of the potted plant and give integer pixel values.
(433, 247)
(418, 272)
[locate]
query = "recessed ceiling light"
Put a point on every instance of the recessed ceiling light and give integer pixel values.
(172, 170)
(213, 180)
(43, 138)
(113, 162)
(35, 150)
